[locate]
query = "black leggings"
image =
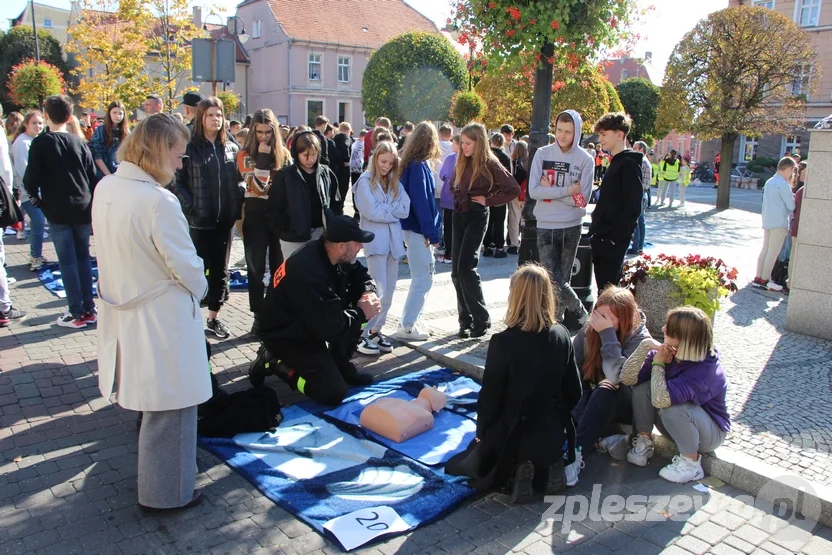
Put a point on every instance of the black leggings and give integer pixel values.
(495, 235)
(597, 410)
(259, 236)
(354, 179)
(214, 247)
(448, 231)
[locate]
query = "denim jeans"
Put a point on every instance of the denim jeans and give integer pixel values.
(469, 231)
(441, 225)
(596, 412)
(72, 244)
(36, 230)
(421, 264)
(638, 236)
(557, 248)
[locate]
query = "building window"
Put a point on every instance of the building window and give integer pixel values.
(314, 108)
(283, 120)
(343, 111)
(792, 144)
(624, 74)
(256, 28)
(769, 4)
(344, 69)
(809, 12)
(314, 67)
(749, 151)
(47, 23)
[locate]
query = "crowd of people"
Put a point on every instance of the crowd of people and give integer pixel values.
(166, 196)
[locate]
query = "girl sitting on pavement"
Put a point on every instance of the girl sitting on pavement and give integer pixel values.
(614, 331)
(681, 388)
(530, 385)
(382, 203)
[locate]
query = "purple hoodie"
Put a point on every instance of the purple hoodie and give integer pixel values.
(701, 383)
(446, 174)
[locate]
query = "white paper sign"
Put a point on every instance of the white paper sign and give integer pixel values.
(699, 487)
(359, 527)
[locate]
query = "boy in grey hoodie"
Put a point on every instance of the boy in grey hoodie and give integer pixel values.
(560, 180)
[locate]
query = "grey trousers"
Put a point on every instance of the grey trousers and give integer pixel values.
(557, 248)
(693, 430)
(167, 458)
(5, 301)
(288, 248)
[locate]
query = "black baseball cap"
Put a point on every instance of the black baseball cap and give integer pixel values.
(342, 229)
(191, 99)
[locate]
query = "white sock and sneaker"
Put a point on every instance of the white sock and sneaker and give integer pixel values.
(681, 470)
(417, 332)
(573, 470)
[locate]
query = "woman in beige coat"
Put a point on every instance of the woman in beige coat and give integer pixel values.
(151, 344)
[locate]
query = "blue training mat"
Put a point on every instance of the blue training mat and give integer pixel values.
(319, 468)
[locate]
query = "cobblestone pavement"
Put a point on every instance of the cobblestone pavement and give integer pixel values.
(68, 457)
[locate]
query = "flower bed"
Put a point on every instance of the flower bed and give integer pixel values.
(664, 282)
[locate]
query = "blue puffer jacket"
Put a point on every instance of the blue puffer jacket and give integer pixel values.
(100, 150)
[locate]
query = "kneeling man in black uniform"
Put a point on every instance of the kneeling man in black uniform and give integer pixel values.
(318, 301)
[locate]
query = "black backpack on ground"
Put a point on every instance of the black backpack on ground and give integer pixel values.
(780, 272)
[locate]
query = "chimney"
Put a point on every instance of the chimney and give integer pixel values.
(648, 56)
(198, 17)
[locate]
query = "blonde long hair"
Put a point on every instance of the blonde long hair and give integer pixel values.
(479, 158)
(149, 145)
(390, 182)
(531, 299)
(422, 145)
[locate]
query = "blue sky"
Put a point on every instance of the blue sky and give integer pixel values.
(666, 25)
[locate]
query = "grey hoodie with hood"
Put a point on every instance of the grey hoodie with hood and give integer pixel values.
(555, 209)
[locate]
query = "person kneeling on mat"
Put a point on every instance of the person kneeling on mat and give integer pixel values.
(317, 303)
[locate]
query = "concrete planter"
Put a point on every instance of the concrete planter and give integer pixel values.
(654, 297)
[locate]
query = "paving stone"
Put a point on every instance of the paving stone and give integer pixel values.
(728, 520)
(751, 534)
(694, 545)
(710, 533)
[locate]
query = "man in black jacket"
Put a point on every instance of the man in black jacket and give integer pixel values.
(60, 179)
(316, 306)
(619, 206)
(320, 127)
(343, 144)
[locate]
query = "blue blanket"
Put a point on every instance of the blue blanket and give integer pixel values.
(50, 277)
(320, 468)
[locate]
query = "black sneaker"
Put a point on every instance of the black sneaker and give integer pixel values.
(255, 326)
(556, 479)
(216, 326)
(488, 251)
(500, 253)
(522, 488)
(11, 314)
(464, 332)
(352, 376)
(513, 250)
(479, 331)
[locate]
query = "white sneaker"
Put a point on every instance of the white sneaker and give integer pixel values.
(681, 204)
(412, 334)
(573, 470)
(423, 327)
(642, 450)
(616, 446)
(682, 470)
(21, 234)
(773, 286)
(367, 347)
(35, 264)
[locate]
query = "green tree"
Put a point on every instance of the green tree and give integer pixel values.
(466, 106)
(508, 95)
(640, 98)
(110, 43)
(30, 82)
(615, 100)
(412, 78)
(230, 101)
(170, 30)
(740, 71)
(17, 45)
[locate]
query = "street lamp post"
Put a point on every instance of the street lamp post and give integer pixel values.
(35, 32)
(538, 137)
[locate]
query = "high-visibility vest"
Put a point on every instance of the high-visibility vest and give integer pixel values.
(671, 171)
(654, 178)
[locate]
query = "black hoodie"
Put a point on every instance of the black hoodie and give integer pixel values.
(619, 205)
(290, 204)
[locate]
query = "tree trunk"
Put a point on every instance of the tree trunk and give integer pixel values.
(726, 158)
(538, 137)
